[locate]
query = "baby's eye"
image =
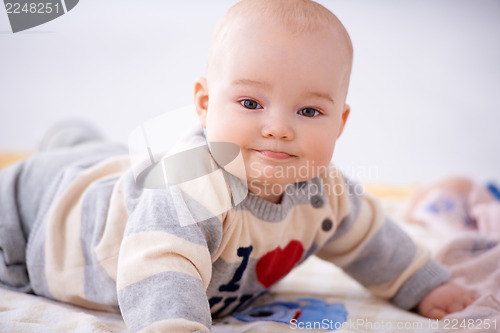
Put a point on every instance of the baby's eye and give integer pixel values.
(308, 112)
(250, 104)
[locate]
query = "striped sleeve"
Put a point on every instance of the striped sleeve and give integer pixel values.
(376, 252)
(164, 268)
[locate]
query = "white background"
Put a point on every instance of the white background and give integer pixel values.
(424, 91)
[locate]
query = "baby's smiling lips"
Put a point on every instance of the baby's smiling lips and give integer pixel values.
(278, 155)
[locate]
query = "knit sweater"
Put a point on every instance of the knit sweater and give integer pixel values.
(105, 243)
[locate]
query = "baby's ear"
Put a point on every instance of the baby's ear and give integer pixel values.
(201, 99)
(345, 115)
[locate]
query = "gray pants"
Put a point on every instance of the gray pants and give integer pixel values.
(24, 188)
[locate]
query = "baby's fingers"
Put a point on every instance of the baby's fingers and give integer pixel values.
(470, 298)
(461, 302)
(456, 307)
(434, 313)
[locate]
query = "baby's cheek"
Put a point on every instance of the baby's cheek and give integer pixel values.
(227, 129)
(321, 153)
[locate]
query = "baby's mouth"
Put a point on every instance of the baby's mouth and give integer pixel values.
(277, 155)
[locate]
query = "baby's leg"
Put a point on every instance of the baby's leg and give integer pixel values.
(13, 273)
(40, 171)
(23, 187)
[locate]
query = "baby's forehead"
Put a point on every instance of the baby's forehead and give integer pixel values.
(295, 15)
(291, 16)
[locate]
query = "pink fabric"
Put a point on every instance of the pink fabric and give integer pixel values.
(474, 262)
(456, 205)
(467, 217)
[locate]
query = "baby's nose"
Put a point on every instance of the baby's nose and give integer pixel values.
(278, 126)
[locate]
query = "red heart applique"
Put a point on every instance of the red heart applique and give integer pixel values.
(277, 263)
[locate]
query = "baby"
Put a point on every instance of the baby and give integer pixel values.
(99, 236)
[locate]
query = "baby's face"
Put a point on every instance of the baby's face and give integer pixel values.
(281, 99)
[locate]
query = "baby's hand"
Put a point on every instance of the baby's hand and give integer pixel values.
(445, 299)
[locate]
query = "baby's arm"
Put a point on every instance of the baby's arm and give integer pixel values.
(372, 249)
(445, 299)
(164, 268)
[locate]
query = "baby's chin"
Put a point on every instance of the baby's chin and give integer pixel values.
(280, 179)
(278, 184)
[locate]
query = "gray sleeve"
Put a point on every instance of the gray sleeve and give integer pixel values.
(378, 254)
(164, 268)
